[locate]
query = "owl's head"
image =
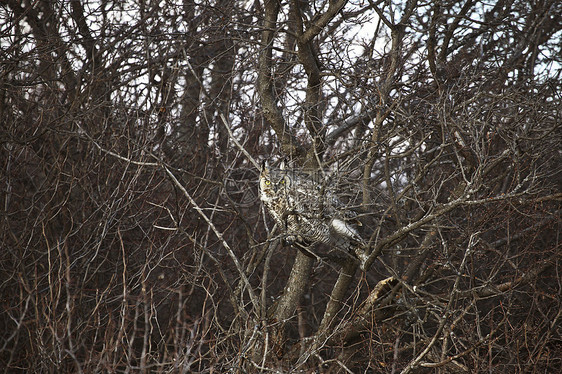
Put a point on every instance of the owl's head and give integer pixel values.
(273, 181)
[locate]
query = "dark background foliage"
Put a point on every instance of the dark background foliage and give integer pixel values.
(131, 235)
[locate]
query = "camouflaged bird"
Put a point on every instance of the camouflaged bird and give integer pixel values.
(308, 212)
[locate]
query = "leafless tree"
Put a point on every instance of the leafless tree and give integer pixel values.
(132, 237)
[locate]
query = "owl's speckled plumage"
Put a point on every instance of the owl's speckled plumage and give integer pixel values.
(307, 211)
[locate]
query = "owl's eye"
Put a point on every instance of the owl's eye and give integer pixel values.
(282, 181)
(267, 183)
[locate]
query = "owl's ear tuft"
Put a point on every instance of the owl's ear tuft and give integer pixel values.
(264, 166)
(283, 164)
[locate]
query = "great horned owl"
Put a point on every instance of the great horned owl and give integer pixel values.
(307, 211)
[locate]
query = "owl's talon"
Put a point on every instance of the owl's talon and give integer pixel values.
(290, 239)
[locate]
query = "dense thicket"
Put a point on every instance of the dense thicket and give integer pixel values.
(131, 235)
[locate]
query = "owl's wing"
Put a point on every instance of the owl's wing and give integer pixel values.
(346, 229)
(344, 221)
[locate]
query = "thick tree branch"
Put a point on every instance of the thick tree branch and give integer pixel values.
(290, 144)
(318, 25)
(295, 288)
(308, 57)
